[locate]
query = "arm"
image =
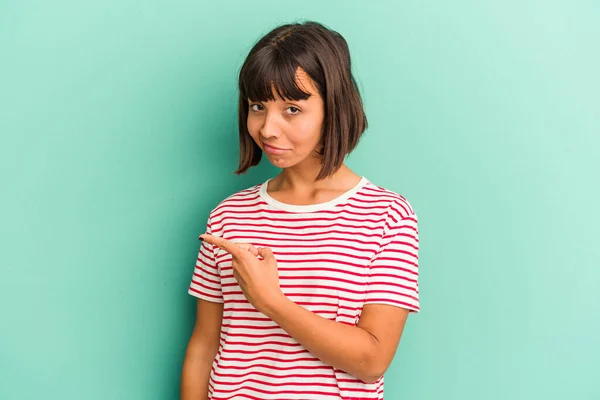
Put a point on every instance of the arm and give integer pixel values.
(201, 350)
(364, 351)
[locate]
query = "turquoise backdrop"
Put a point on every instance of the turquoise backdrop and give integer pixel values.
(118, 136)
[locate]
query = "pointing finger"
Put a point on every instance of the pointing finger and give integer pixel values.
(225, 244)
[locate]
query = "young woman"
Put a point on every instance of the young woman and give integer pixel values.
(304, 282)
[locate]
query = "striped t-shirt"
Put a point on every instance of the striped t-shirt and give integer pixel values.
(333, 258)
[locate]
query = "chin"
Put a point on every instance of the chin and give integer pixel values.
(279, 162)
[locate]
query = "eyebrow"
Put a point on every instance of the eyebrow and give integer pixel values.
(285, 100)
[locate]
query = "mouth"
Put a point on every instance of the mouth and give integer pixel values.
(273, 149)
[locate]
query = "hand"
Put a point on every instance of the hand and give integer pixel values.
(258, 279)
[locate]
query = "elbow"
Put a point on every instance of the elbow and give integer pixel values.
(370, 379)
(372, 373)
(372, 367)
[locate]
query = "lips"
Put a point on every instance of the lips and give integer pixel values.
(273, 149)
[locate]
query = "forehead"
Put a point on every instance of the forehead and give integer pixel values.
(302, 81)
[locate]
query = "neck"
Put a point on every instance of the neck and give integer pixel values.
(303, 179)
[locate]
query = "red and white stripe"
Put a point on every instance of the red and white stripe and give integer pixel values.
(333, 258)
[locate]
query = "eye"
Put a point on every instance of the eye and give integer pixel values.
(294, 110)
(256, 105)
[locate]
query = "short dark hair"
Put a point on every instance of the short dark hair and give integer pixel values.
(324, 55)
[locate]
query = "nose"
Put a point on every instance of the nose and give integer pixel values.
(269, 128)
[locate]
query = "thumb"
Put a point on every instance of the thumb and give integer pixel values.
(267, 254)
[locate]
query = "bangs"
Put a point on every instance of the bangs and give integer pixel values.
(268, 70)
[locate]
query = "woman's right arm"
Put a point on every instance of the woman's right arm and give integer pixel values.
(201, 351)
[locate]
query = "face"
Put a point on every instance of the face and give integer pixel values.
(288, 131)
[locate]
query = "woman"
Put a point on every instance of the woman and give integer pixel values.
(304, 282)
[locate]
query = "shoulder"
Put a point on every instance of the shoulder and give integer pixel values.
(398, 206)
(242, 198)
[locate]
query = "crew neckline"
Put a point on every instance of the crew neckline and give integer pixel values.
(310, 207)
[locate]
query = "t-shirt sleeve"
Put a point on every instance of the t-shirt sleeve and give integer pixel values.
(206, 281)
(393, 273)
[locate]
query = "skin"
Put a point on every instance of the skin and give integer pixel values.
(296, 126)
(364, 351)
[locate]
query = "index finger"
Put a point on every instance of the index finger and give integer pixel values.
(225, 244)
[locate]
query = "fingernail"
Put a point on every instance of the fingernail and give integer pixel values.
(200, 238)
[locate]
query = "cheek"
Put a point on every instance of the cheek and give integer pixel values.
(310, 133)
(253, 128)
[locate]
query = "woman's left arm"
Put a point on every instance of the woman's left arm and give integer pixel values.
(364, 351)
